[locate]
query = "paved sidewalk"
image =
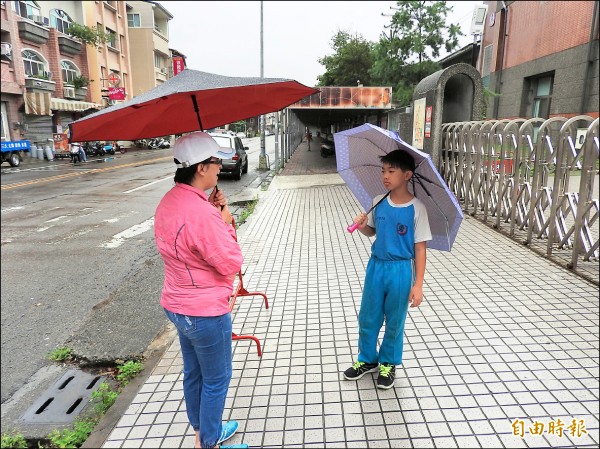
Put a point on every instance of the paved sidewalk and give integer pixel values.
(502, 335)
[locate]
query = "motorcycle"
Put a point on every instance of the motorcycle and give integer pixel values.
(158, 143)
(75, 152)
(327, 148)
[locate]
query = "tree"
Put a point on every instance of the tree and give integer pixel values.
(351, 61)
(417, 32)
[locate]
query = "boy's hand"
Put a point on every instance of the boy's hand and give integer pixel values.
(416, 296)
(362, 220)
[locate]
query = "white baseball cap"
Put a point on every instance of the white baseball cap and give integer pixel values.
(197, 147)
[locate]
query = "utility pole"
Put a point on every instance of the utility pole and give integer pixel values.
(276, 142)
(262, 158)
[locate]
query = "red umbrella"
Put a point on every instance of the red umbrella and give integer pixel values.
(190, 101)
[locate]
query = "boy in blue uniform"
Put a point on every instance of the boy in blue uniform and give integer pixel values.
(395, 271)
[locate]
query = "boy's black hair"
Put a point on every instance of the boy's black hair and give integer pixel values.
(401, 159)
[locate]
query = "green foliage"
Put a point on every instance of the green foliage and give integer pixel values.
(72, 437)
(418, 29)
(487, 96)
(404, 56)
(40, 76)
(128, 371)
(351, 61)
(247, 212)
(13, 440)
(90, 36)
(60, 354)
(80, 81)
(104, 397)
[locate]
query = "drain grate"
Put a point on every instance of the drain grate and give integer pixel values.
(65, 400)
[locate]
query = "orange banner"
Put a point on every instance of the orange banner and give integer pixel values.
(348, 97)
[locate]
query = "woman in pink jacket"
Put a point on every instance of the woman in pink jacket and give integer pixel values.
(197, 242)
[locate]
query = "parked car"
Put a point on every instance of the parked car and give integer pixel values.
(239, 163)
(241, 135)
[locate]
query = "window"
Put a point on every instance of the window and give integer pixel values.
(27, 8)
(60, 20)
(34, 64)
(103, 77)
(543, 94)
(158, 61)
(5, 130)
(133, 20)
(69, 71)
(111, 38)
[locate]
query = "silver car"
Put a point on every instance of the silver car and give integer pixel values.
(239, 163)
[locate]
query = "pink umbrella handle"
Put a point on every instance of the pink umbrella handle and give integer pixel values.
(352, 227)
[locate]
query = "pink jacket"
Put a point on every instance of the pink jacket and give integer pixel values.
(200, 253)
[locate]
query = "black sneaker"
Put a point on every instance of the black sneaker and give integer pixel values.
(359, 369)
(387, 374)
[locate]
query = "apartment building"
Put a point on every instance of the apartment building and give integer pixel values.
(50, 78)
(541, 57)
(151, 58)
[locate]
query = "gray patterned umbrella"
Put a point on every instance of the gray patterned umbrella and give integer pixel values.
(357, 156)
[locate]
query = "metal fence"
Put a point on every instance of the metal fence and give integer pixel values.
(532, 179)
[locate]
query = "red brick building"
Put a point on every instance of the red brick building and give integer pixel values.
(40, 65)
(541, 57)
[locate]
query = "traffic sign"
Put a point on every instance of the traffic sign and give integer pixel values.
(114, 79)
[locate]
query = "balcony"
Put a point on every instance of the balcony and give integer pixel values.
(31, 32)
(68, 45)
(81, 93)
(36, 84)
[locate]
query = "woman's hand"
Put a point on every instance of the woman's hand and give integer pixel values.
(226, 215)
(217, 198)
(361, 220)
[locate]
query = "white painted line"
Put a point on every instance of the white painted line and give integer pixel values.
(149, 184)
(8, 209)
(119, 239)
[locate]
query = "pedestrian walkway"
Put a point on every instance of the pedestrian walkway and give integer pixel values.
(502, 353)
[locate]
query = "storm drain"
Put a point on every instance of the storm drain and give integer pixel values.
(65, 400)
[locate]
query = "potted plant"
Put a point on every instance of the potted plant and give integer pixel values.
(80, 81)
(89, 36)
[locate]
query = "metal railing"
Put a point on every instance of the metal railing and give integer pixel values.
(531, 179)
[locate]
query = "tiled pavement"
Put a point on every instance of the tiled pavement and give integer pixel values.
(503, 335)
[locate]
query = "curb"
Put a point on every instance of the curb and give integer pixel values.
(109, 421)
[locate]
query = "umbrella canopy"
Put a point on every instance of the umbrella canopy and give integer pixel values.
(190, 101)
(357, 156)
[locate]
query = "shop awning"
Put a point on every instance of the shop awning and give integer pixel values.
(37, 103)
(42, 103)
(60, 104)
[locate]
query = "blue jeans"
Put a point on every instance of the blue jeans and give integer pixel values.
(206, 351)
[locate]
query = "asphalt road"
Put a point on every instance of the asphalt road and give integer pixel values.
(79, 263)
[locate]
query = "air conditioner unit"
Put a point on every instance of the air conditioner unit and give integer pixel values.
(163, 70)
(38, 19)
(6, 49)
(69, 92)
